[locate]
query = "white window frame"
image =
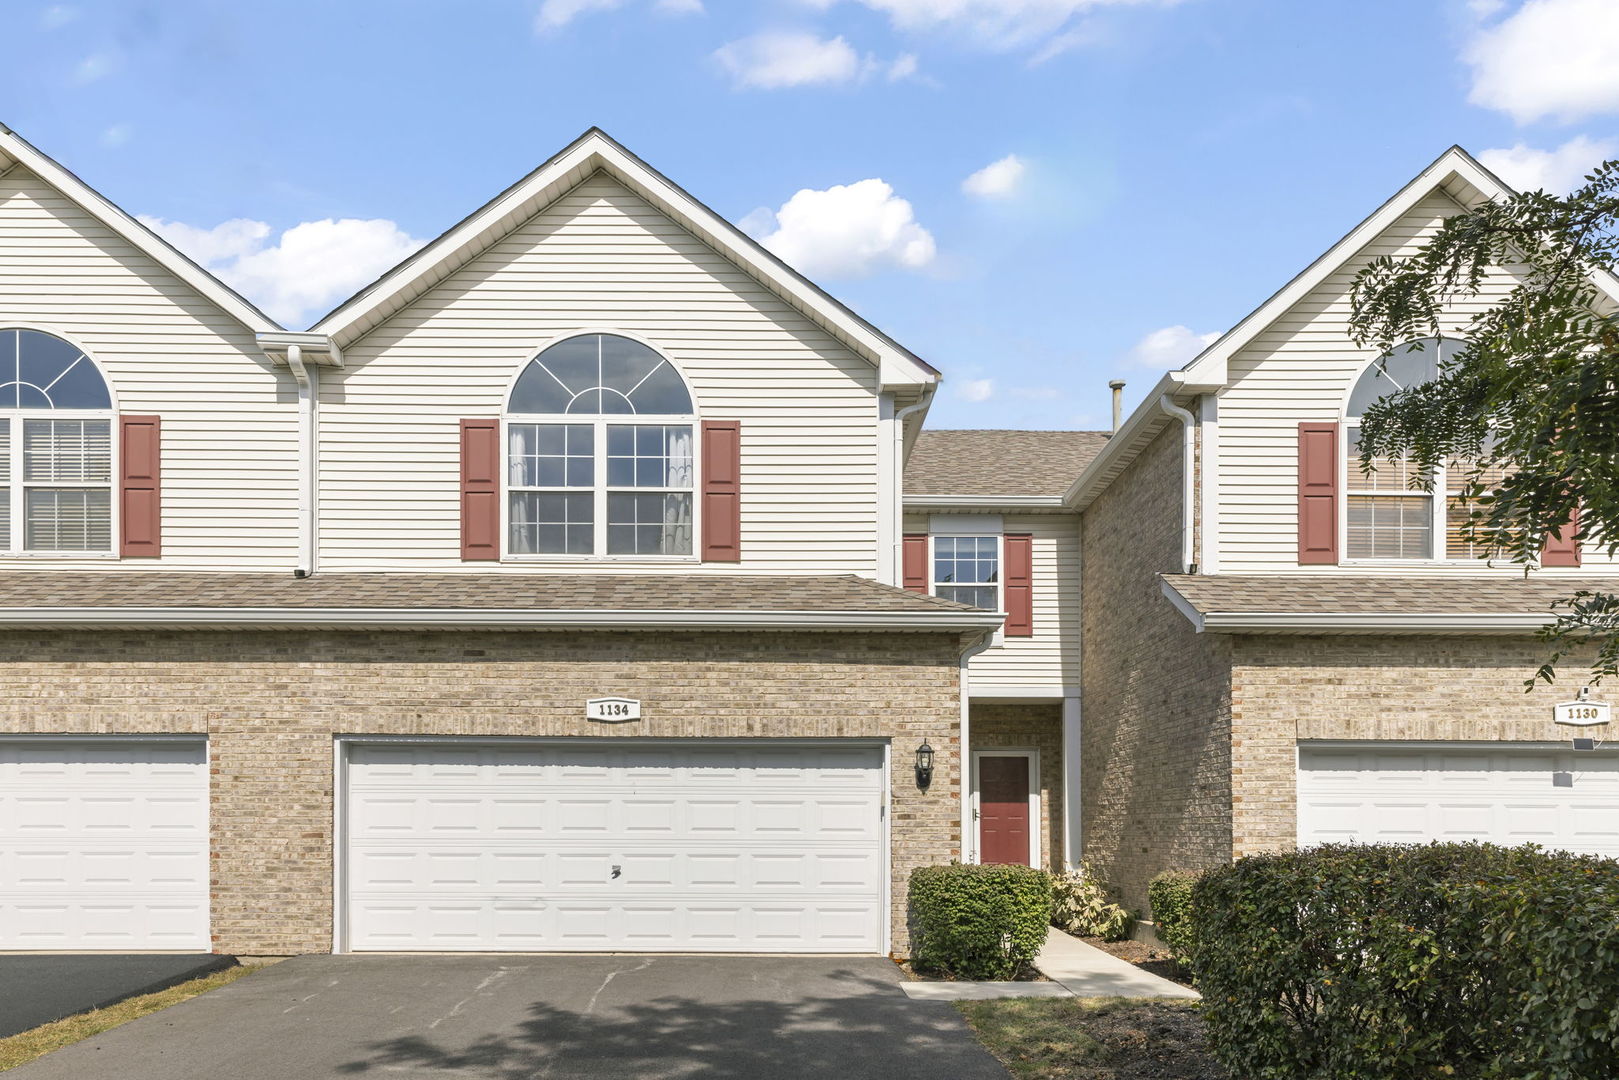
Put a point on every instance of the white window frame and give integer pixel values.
(977, 532)
(11, 545)
(599, 488)
(1036, 857)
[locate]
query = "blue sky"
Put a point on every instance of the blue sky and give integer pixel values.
(1162, 166)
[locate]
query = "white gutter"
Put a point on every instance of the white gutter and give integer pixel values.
(969, 805)
(1188, 486)
(896, 541)
(986, 502)
(308, 389)
(513, 618)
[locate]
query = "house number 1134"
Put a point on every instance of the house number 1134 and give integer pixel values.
(612, 710)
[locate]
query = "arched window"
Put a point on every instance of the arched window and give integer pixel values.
(599, 452)
(56, 440)
(1389, 512)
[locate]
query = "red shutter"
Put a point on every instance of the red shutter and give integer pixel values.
(480, 490)
(1318, 493)
(722, 491)
(914, 562)
(1019, 557)
(140, 503)
(1563, 546)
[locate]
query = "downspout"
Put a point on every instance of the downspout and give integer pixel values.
(307, 389)
(1188, 428)
(969, 805)
(897, 545)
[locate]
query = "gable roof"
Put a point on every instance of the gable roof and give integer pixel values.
(1455, 172)
(15, 151)
(998, 463)
(594, 152)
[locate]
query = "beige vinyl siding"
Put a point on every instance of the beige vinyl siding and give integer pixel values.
(229, 420)
(1301, 368)
(600, 258)
(1049, 660)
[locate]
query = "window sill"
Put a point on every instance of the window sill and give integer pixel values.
(1430, 564)
(96, 555)
(587, 560)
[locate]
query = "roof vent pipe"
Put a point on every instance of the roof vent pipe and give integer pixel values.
(1117, 386)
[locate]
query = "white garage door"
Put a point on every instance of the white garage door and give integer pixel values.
(1561, 799)
(103, 844)
(616, 845)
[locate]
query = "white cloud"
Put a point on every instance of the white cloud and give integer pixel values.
(976, 389)
(997, 180)
(57, 16)
(848, 230)
(779, 58)
(308, 268)
(1549, 58)
(1000, 24)
(117, 135)
(555, 14)
(92, 68)
(1558, 171)
(1169, 347)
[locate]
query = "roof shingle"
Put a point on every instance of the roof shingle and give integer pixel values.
(1354, 595)
(999, 462)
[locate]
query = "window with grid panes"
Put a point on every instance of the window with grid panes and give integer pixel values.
(967, 569)
(56, 440)
(1390, 512)
(601, 455)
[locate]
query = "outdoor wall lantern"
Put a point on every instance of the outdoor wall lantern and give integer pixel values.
(924, 765)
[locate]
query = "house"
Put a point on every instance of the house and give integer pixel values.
(1277, 649)
(589, 582)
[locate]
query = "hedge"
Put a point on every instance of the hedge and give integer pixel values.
(1170, 897)
(978, 922)
(1390, 962)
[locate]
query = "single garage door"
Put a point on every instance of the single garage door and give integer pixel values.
(103, 844)
(616, 845)
(1562, 799)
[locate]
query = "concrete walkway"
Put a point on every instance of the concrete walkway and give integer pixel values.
(1089, 972)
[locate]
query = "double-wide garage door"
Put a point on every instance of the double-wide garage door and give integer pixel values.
(1561, 799)
(615, 844)
(103, 844)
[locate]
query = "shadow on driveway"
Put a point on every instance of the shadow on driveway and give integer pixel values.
(511, 1016)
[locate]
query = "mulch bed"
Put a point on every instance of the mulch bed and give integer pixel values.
(1028, 974)
(1078, 1039)
(1148, 958)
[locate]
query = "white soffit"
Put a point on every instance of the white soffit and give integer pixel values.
(15, 151)
(592, 152)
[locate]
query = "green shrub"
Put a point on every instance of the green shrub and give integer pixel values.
(1082, 903)
(1170, 896)
(1391, 962)
(978, 922)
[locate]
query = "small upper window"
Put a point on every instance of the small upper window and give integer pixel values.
(56, 476)
(967, 569)
(1403, 367)
(610, 468)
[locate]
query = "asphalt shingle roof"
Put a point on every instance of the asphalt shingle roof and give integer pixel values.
(469, 591)
(1306, 594)
(999, 462)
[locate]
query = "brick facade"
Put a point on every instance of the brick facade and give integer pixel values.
(1029, 726)
(272, 702)
(1399, 688)
(1155, 695)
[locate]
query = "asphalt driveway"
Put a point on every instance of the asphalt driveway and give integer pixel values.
(36, 988)
(508, 1017)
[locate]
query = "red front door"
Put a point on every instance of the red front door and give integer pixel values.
(1003, 810)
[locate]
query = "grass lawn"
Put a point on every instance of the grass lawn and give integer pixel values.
(25, 1047)
(1094, 1038)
